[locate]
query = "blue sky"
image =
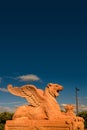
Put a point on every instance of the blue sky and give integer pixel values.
(43, 42)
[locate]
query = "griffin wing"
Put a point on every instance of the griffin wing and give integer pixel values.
(33, 95)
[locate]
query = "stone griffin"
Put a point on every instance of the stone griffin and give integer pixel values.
(42, 103)
(44, 106)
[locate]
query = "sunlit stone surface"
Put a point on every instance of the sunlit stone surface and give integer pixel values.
(44, 112)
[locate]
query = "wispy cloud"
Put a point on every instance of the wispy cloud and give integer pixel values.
(6, 109)
(11, 106)
(3, 90)
(82, 108)
(9, 103)
(29, 77)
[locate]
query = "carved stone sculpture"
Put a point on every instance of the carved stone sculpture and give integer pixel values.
(78, 122)
(43, 111)
(42, 104)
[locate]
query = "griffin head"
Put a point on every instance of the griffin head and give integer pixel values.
(54, 89)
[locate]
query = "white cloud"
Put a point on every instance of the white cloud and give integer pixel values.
(3, 90)
(6, 109)
(29, 77)
(82, 108)
(11, 106)
(11, 103)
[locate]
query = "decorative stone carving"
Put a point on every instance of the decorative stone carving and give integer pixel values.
(43, 109)
(78, 122)
(38, 125)
(43, 104)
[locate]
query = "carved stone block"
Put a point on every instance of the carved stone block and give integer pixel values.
(37, 125)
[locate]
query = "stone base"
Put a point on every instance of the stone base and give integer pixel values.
(37, 125)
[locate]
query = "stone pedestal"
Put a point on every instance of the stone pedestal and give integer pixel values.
(37, 125)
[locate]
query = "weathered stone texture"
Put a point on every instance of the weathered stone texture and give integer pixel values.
(37, 125)
(44, 112)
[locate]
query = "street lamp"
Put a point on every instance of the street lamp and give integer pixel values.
(77, 100)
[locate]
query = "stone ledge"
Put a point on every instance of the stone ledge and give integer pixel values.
(37, 125)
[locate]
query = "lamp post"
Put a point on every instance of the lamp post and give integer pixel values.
(77, 100)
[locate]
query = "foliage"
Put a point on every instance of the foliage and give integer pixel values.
(1, 126)
(84, 115)
(3, 117)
